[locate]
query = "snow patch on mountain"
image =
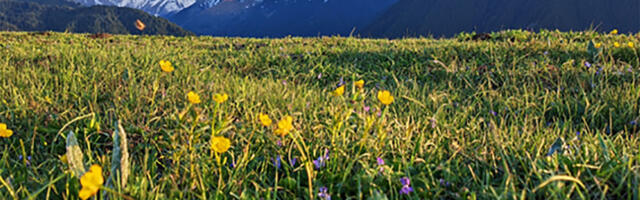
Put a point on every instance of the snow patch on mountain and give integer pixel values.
(155, 7)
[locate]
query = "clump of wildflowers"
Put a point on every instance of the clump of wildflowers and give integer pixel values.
(323, 193)
(380, 162)
(406, 188)
(322, 160)
(277, 162)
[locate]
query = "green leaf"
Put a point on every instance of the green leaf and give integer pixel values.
(74, 155)
(120, 156)
(604, 147)
(593, 51)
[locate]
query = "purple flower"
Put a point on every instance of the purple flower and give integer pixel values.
(323, 193)
(587, 64)
(599, 70)
(341, 81)
(578, 134)
(322, 160)
(379, 113)
(277, 162)
(380, 164)
(444, 183)
(406, 189)
(434, 123)
(493, 113)
(293, 162)
(284, 82)
(279, 143)
(633, 123)
(629, 69)
(380, 161)
(546, 53)
(320, 75)
(367, 108)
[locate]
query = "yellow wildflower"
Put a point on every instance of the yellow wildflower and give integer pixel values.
(193, 98)
(91, 182)
(338, 91)
(616, 44)
(598, 45)
(359, 84)
(264, 119)
(614, 32)
(630, 44)
(220, 98)
(4, 132)
(220, 144)
(166, 66)
(385, 97)
(285, 125)
(64, 159)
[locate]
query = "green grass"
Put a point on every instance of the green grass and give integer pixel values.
(471, 119)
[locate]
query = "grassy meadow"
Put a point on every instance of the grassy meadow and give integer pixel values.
(521, 115)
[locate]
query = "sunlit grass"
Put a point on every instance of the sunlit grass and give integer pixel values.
(522, 115)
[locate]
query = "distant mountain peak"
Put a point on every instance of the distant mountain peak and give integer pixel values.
(154, 7)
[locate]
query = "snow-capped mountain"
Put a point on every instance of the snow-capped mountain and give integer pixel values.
(276, 18)
(154, 7)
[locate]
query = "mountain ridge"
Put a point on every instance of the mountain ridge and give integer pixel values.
(30, 16)
(264, 18)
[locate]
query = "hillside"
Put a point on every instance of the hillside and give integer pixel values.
(252, 18)
(520, 115)
(31, 16)
(448, 17)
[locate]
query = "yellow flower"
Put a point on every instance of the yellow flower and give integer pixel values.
(91, 182)
(220, 144)
(64, 159)
(166, 66)
(264, 119)
(616, 44)
(598, 45)
(385, 97)
(630, 44)
(220, 98)
(614, 32)
(285, 125)
(4, 132)
(193, 98)
(338, 91)
(359, 84)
